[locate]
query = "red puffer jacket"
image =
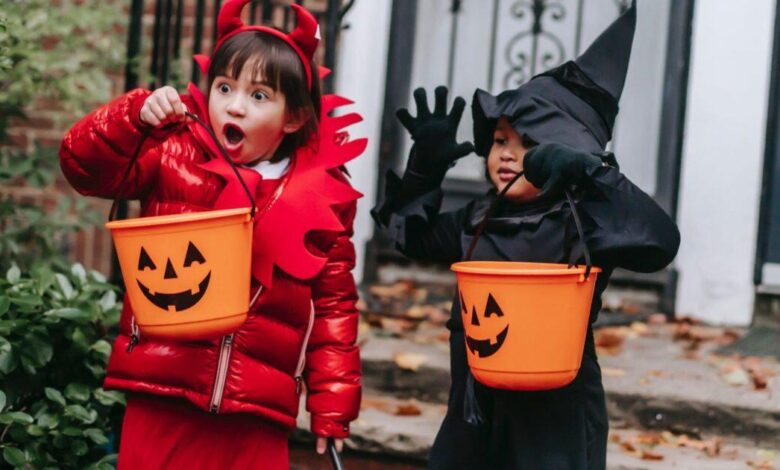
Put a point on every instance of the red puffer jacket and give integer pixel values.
(297, 330)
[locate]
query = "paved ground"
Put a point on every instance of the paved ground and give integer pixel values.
(672, 402)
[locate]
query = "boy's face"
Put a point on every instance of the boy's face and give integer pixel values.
(248, 116)
(505, 160)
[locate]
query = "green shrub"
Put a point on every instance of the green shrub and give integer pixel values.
(53, 353)
(56, 320)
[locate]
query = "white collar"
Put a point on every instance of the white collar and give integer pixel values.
(272, 170)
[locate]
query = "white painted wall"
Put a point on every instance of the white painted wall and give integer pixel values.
(362, 66)
(722, 159)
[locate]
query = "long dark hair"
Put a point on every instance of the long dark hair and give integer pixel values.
(281, 67)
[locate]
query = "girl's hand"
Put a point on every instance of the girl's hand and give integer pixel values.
(163, 107)
(322, 444)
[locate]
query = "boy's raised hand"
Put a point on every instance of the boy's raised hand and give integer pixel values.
(553, 166)
(434, 133)
(163, 107)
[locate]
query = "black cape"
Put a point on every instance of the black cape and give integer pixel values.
(559, 429)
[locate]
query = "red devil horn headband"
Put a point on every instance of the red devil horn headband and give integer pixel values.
(303, 39)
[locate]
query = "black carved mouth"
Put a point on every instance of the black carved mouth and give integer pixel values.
(483, 347)
(180, 300)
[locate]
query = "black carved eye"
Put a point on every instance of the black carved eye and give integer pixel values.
(193, 255)
(463, 304)
(492, 307)
(144, 261)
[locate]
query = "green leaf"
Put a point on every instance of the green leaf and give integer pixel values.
(65, 286)
(2, 400)
(77, 392)
(55, 396)
(14, 274)
(5, 303)
(35, 431)
(15, 417)
(108, 398)
(107, 302)
(8, 357)
(48, 421)
(80, 413)
(102, 347)
(14, 456)
(73, 431)
(27, 301)
(80, 273)
(79, 448)
(96, 435)
(69, 313)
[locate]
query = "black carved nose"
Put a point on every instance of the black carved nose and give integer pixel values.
(474, 318)
(170, 273)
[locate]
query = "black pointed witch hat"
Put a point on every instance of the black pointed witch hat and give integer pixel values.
(574, 104)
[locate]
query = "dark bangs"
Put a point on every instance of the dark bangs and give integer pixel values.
(278, 64)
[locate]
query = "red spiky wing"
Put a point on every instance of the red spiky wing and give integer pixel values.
(308, 199)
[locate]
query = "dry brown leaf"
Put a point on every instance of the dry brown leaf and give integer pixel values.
(398, 325)
(612, 372)
(645, 454)
(408, 409)
(399, 289)
(657, 319)
(761, 464)
(737, 377)
(410, 361)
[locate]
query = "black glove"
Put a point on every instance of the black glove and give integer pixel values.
(553, 167)
(435, 149)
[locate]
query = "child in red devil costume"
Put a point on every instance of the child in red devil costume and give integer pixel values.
(230, 402)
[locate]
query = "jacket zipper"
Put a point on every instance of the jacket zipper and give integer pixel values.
(302, 355)
(222, 364)
(222, 369)
(135, 334)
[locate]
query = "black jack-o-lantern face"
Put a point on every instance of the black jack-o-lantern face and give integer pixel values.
(186, 275)
(492, 342)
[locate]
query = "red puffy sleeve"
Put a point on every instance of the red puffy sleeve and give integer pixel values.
(333, 360)
(95, 152)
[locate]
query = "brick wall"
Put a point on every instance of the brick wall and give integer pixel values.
(47, 122)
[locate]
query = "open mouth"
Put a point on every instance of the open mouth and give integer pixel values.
(487, 347)
(177, 301)
(233, 134)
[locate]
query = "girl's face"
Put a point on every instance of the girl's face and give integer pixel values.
(249, 117)
(505, 160)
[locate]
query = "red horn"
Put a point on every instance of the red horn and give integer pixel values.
(230, 17)
(307, 32)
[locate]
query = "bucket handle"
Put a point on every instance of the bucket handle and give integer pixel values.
(499, 198)
(222, 151)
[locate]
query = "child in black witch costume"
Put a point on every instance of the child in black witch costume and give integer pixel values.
(555, 129)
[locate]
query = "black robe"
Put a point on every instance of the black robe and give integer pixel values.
(558, 429)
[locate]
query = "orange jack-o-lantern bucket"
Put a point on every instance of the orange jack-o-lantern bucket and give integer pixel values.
(187, 276)
(525, 323)
(181, 282)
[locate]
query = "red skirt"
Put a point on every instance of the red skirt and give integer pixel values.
(160, 432)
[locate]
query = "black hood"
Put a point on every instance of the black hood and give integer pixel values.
(574, 104)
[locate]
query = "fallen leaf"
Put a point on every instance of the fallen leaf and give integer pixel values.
(647, 455)
(657, 319)
(737, 377)
(409, 409)
(410, 361)
(612, 372)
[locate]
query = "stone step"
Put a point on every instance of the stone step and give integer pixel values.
(395, 433)
(650, 385)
